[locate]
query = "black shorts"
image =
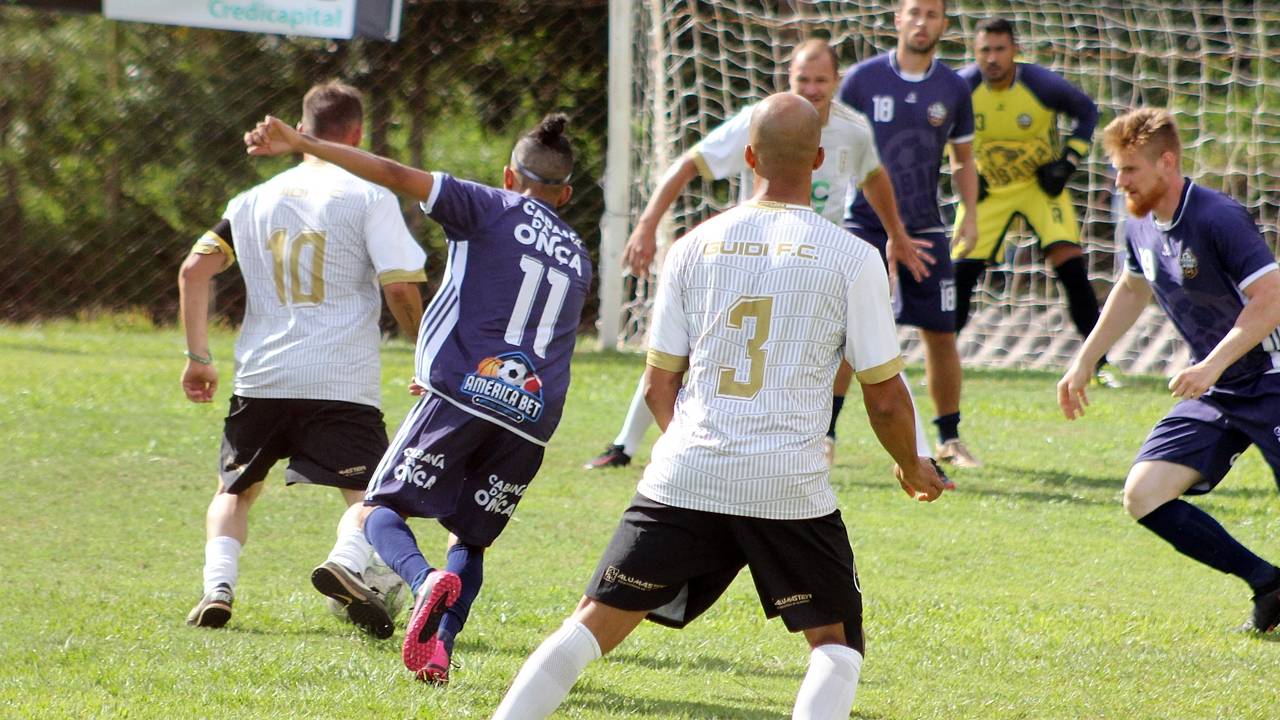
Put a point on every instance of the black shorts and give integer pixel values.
(676, 563)
(327, 442)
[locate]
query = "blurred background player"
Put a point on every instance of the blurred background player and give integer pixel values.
(1201, 255)
(851, 161)
(1023, 172)
(738, 476)
(314, 243)
(917, 105)
(492, 389)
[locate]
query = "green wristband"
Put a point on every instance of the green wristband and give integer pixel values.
(198, 358)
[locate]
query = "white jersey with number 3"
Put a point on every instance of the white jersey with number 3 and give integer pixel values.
(313, 243)
(759, 304)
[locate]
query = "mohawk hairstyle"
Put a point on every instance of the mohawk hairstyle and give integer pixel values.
(544, 154)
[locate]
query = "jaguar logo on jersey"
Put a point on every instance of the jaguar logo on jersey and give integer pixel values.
(506, 384)
(937, 114)
(1189, 263)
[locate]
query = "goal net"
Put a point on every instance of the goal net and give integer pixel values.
(1215, 64)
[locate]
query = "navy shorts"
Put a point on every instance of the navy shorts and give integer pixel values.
(931, 303)
(464, 471)
(1209, 433)
(676, 563)
(327, 442)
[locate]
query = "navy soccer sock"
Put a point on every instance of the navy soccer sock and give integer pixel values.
(837, 404)
(1194, 533)
(391, 537)
(467, 562)
(948, 427)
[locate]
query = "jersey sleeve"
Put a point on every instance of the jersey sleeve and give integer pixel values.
(866, 157)
(848, 89)
(218, 239)
(1241, 250)
(962, 130)
(1131, 263)
(719, 155)
(1057, 94)
(461, 207)
(669, 333)
(871, 337)
(396, 256)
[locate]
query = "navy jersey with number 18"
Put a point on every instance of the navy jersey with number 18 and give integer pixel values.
(497, 338)
(913, 117)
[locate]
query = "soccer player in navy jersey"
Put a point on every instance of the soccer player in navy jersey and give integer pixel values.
(492, 367)
(1201, 255)
(1023, 169)
(917, 105)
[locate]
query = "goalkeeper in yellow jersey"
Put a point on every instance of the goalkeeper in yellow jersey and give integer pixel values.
(1023, 170)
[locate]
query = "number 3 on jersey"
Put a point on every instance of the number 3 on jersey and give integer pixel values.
(533, 270)
(761, 310)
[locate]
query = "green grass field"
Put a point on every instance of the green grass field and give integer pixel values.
(1026, 594)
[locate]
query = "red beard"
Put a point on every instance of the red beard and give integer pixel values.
(1141, 204)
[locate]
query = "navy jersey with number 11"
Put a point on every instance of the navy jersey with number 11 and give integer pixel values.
(497, 338)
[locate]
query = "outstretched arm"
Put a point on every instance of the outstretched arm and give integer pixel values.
(1128, 298)
(273, 136)
(643, 243)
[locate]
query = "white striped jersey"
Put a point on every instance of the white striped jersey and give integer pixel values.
(847, 139)
(314, 244)
(759, 304)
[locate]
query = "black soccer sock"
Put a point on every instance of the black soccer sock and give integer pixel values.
(968, 273)
(1194, 533)
(837, 404)
(467, 562)
(948, 427)
(1082, 303)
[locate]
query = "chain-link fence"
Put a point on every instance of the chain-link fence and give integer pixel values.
(120, 143)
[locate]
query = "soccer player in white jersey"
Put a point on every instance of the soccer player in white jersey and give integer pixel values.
(756, 308)
(313, 244)
(851, 162)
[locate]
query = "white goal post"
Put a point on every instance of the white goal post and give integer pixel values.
(691, 63)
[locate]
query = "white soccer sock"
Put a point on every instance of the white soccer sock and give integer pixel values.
(352, 551)
(221, 562)
(829, 686)
(924, 448)
(550, 672)
(639, 418)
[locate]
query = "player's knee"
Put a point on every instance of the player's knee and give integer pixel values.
(1139, 496)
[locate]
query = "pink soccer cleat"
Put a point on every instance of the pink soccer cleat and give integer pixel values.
(435, 596)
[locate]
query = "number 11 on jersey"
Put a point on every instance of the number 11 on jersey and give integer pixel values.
(533, 270)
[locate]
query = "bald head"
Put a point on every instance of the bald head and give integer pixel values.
(786, 134)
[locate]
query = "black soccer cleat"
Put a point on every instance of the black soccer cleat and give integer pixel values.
(1266, 610)
(214, 609)
(613, 456)
(365, 609)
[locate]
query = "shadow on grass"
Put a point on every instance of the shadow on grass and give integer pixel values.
(990, 487)
(604, 700)
(40, 349)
